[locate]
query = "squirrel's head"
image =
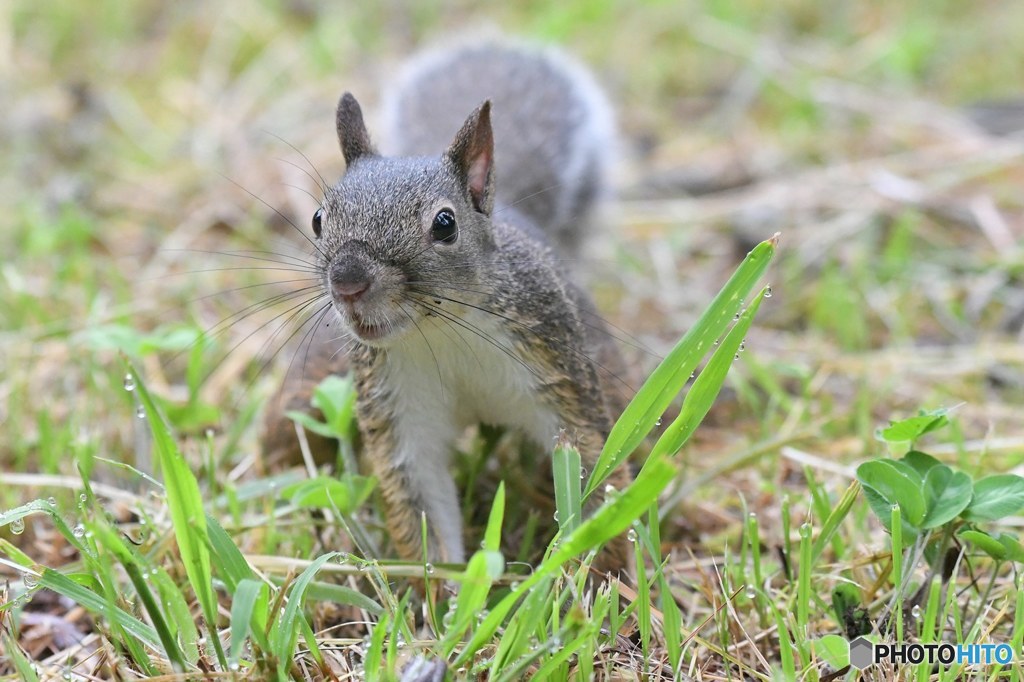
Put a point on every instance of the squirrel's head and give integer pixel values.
(396, 236)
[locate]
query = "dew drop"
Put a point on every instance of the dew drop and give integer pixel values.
(140, 412)
(79, 531)
(515, 585)
(482, 615)
(658, 422)
(895, 506)
(18, 526)
(30, 580)
(752, 515)
(736, 356)
(66, 675)
(805, 530)
(915, 612)
(767, 292)
(52, 501)
(631, 535)
(609, 489)
(583, 473)
(693, 375)
(743, 346)
(555, 516)
(735, 317)
(83, 498)
(129, 382)
(751, 593)
(715, 343)
(429, 568)
(448, 619)
(233, 666)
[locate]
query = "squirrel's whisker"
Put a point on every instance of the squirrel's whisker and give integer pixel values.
(282, 259)
(280, 214)
(444, 314)
(550, 339)
(437, 365)
(324, 185)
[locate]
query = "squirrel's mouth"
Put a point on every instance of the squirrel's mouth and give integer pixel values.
(370, 331)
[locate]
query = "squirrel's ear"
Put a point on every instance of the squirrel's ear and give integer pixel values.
(352, 135)
(472, 152)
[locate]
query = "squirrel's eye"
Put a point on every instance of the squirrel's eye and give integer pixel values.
(444, 228)
(318, 218)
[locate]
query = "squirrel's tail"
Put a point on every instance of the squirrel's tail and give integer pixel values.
(553, 127)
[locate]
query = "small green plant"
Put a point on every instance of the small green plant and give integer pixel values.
(932, 496)
(927, 505)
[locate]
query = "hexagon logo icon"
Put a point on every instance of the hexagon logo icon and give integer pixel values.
(861, 653)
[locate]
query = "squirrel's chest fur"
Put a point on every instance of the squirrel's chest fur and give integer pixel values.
(447, 376)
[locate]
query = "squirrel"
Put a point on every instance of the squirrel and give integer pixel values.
(445, 262)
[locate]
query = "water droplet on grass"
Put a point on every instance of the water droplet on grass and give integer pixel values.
(18, 526)
(78, 531)
(631, 535)
(129, 382)
(429, 568)
(767, 292)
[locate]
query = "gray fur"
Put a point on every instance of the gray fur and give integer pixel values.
(489, 327)
(553, 127)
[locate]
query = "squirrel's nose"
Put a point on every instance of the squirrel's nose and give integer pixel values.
(349, 280)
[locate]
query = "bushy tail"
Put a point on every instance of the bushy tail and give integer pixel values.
(553, 128)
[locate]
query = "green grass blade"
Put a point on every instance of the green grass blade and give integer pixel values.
(529, 618)
(643, 599)
(248, 594)
(110, 540)
(286, 631)
(339, 594)
(375, 652)
(481, 571)
(566, 469)
(668, 379)
(548, 670)
(188, 519)
(231, 564)
(706, 387)
(180, 617)
(17, 657)
(492, 536)
(611, 519)
(831, 525)
(87, 599)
